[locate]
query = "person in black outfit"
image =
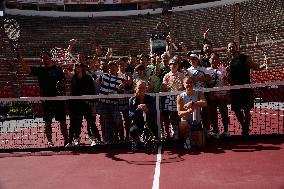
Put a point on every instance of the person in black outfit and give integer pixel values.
(49, 76)
(138, 104)
(81, 84)
(238, 73)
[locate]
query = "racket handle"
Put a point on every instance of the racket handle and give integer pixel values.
(144, 115)
(194, 115)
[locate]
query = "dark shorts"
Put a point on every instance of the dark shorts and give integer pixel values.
(242, 99)
(54, 109)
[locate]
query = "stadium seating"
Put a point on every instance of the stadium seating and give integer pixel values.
(130, 34)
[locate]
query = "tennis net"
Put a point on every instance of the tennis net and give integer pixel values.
(22, 123)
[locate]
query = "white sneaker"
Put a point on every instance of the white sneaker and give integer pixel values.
(76, 141)
(50, 144)
(226, 134)
(68, 145)
(93, 143)
(187, 144)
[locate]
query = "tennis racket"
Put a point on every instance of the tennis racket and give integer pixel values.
(148, 138)
(60, 87)
(12, 30)
(264, 42)
(199, 78)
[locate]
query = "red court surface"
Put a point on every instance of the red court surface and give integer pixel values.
(239, 163)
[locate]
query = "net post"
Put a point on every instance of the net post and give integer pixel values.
(158, 114)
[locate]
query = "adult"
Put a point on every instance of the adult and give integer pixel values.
(111, 83)
(189, 104)
(172, 82)
(217, 100)
(238, 73)
(51, 79)
(82, 84)
(140, 104)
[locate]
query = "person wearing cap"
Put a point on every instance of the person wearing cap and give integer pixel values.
(111, 83)
(82, 84)
(172, 82)
(49, 76)
(200, 78)
(199, 73)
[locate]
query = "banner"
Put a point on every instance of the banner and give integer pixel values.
(58, 2)
(92, 1)
(106, 1)
(62, 2)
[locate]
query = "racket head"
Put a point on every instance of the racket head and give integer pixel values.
(264, 41)
(149, 140)
(12, 30)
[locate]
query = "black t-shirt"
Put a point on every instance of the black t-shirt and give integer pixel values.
(240, 74)
(184, 64)
(130, 69)
(48, 78)
(204, 62)
(82, 86)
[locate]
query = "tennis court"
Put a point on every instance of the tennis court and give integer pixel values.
(223, 164)
(256, 161)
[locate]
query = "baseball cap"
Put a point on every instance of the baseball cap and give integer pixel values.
(192, 55)
(173, 60)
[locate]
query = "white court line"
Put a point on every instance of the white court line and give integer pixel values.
(156, 181)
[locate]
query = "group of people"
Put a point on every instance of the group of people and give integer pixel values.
(140, 75)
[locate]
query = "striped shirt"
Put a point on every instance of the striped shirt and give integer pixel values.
(110, 83)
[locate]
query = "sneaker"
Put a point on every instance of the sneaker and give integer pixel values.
(217, 136)
(93, 143)
(100, 142)
(68, 145)
(50, 144)
(226, 134)
(187, 144)
(76, 141)
(134, 146)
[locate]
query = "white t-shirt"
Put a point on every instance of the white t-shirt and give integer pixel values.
(197, 73)
(217, 76)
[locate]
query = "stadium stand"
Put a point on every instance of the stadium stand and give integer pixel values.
(130, 34)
